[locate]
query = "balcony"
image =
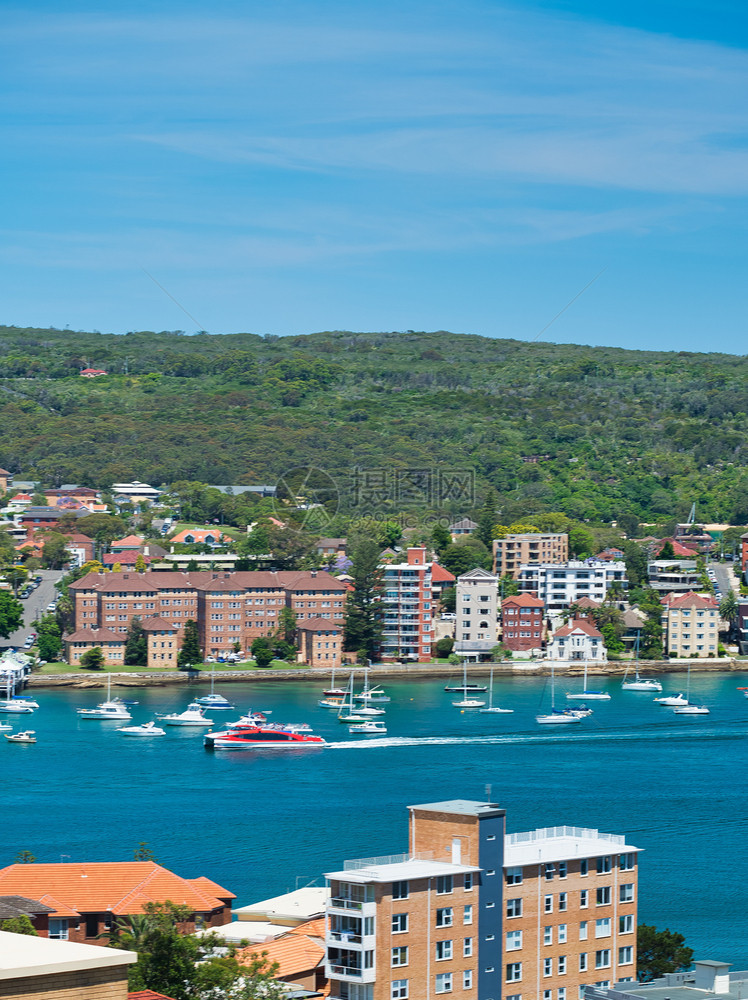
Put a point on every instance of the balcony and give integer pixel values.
(345, 938)
(350, 973)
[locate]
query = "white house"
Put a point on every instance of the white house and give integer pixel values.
(579, 640)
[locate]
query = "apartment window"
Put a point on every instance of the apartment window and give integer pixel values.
(582, 961)
(468, 881)
(467, 914)
(369, 925)
(399, 956)
(626, 924)
(562, 933)
(400, 890)
(443, 885)
(547, 994)
(443, 950)
(514, 996)
(602, 927)
(467, 979)
(548, 904)
(602, 959)
(626, 892)
(561, 968)
(549, 871)
(625, 955)
(513, 940)
(583, 930)
(399, 923)
(444, 917)
(514, 876)
(602, 896)
(561, 993)
(443, 982)
(399, 989)
(514, 907)
(562, 901)
(514, 972)
(467, 947)
(562, 869)
(627, 862)
(58, 928)
(604, 865)
(584, 896)
(548, 935)
(584, 867)
(547, 966)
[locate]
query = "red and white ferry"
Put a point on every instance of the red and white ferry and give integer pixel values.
(273, 737)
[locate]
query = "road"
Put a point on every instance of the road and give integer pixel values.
(35, 605)
(726, 579)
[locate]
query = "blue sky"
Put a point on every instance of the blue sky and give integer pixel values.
(285, 167)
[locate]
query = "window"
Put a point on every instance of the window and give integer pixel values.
(444, 917)
(443, 950)
(513, 940)
(627, 862)
(400, 890)
(369, 925)
(467, 979)
(602, 896)
(467, 947)
(92, 925)
(561, 993)
(514, 996)
(562, 933)
(468, 882)
(626, 892)
(399, 989)
(399, 956)
(547, 994)
(583, 898)
(604, 865)
(399, 923)
(626, 924)
(626, 955)
(562, 965)
(514, 907)
(547, 966)
(582, 961)
(549, 871)
(514, 876)
(443, 885)
(602, 959)
(514, 972)
(467, 914)
(584, 867)
(548, 904)
(443, 982)
(562, 901)
(58, 928)
(548, 935)
(583, 930)
(562, 869)
(602, 927)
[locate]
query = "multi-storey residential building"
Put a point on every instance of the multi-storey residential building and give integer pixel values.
(743, 625)
(474, 911)
(560, 585)
(512, 551)
(228, 607)
(708, 979)
(321, 643)
(673, 575)
(522, 622)
(690, 625)
(578, 640)
(407, 606)
(476, 607)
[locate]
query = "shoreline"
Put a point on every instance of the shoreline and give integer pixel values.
(427, 671)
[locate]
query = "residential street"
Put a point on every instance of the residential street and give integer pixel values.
(34, 606)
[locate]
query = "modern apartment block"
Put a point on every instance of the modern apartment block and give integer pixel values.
(510, 552)
(673, 575)
(407, 606)
(690, 625)
(522, 622)
(472, 911)
(476, 609)
(559, 586)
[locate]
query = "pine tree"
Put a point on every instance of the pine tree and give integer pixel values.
(190, 653)
(363, 626)
(136, 647)
(93, 659)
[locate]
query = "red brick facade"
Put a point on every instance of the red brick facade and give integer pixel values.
(522, 622)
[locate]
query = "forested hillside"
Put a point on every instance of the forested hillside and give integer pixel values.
(592, 432)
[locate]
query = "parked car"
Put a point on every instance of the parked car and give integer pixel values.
(52, 606)
(29, 642)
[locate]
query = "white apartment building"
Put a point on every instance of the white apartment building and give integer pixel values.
(476, 609)
(407, 606)
(560, 585)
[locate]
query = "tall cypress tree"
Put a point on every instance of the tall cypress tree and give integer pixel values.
(136, 647)
(190, 651)
(363, 609)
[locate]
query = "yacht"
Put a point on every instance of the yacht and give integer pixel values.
(14, 706)
(640, 683)
(147, 729)
(557, 716)
(112, 708)
(193, 715)
(213, 701)
(372, 727)
(672, 701)
(29, 736)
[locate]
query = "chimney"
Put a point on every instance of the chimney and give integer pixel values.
(314, 574)
(125, 576)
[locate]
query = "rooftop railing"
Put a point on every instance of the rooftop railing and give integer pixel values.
(555, 832)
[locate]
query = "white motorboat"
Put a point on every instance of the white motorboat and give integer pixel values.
(12, 706)
(193, 715)
(24, 700)
(112, 708)
(334, 702)
(5, 727)
(584, 694)
(147, 729)
(215, 702)
(491, 707)
(29, 736)
(466, 701)
(374, 726)
(691, 710)
(672, 701)
(373, 696)
(556, 717)
(640, 683)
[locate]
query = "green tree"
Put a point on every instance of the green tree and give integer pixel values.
(262, 650)
(49, 638)
(487, 519)
(444, 647)
(440, 538)
(636, 564)
(629, 523)
(136, 646)
(15, 576)
(102, 527)
(448, 599)
(140, 564)
(728, 609)
(19, 925)
(659, 952)
(667, 551)
(11, 614)
(24, 858)
(93, 659)
(363, 626)
(143, 852)
(54, 550)
(287, 625)
(465, 554)
(190, 653)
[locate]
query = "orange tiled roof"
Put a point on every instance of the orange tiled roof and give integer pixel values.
(578, 625)
(522, 601)
(119, 887)
(294, 953)
(440, 575)
(147, 995)
(314, 928)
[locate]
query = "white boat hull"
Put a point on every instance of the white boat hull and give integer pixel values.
(557, 720)
(469, 703)
(641, 686)
(691, 710)
(588, 696)
(497, 711)
(672, 701)
(142, 731)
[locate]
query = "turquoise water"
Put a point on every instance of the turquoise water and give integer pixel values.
(261, 823)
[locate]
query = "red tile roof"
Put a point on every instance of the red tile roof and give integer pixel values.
(295, 953)
(522, 601)
(156, 624)
(319, 625)
(689, 600)
(128, 540)
(441, 575)
(586, 602)
(147, 995)
(95, 635)
(578, 625)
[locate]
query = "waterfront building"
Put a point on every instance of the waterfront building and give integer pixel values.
(512, 551)
(690, 625)
(320, 643)
(560, 585)
(470, 909)
(708, 980)
(522, 623)
(476, 609)
(407, 606)
(579, 639)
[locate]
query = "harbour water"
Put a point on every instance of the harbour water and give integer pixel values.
(263, 822)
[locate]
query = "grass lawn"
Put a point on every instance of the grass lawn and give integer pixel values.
(205, 670)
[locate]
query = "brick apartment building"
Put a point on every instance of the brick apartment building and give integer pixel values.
(407, 604)
(228, 607)
(474, 911)
(522, 622)
(511, 551)
(690, 625)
